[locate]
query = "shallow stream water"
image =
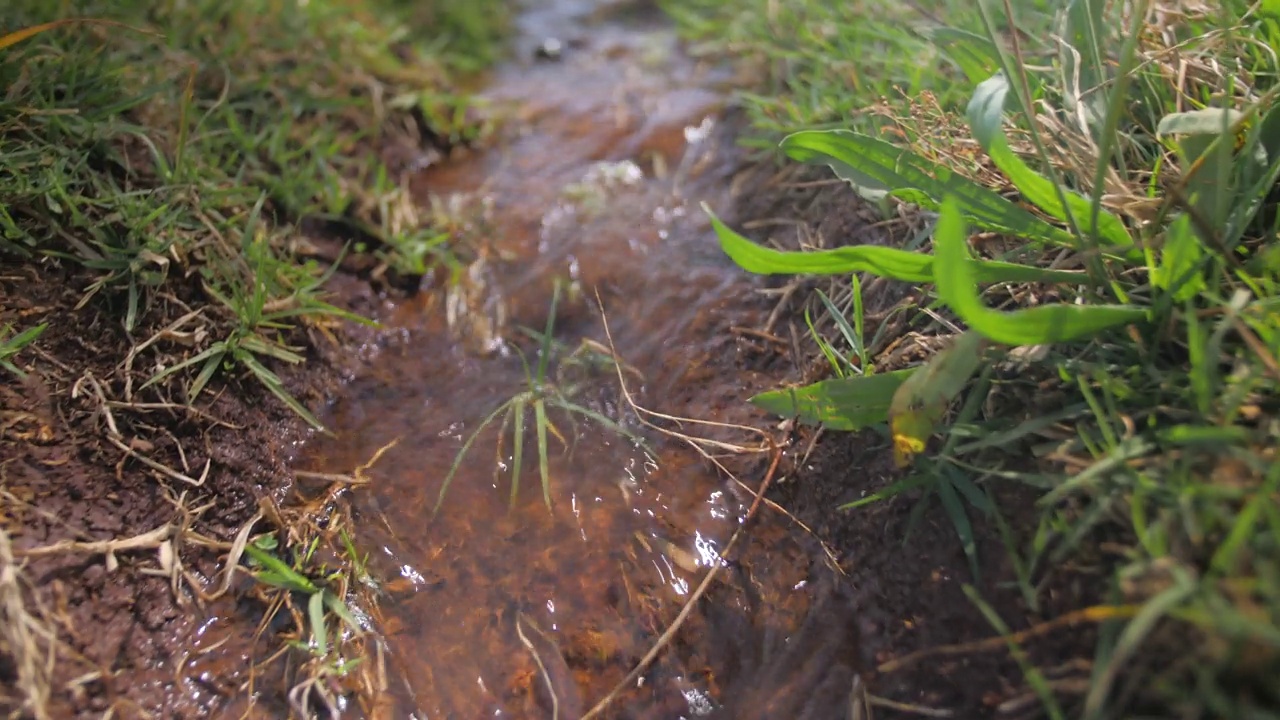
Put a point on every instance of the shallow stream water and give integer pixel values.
(512, 609)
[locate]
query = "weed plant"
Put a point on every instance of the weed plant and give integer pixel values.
(543, 394)
(1126, 169)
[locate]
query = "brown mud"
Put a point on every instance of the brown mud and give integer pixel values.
(492, 608)
(86, 457)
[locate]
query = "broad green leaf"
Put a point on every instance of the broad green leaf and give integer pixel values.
(849, 403)
(957, 287)
(974, 54)
(1178, 261)
(986, 120)
(1211, 166)
(882, 261)
(1207, 121)
(921, 401)
(865, 161)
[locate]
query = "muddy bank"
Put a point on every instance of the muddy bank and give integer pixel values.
(88, 458)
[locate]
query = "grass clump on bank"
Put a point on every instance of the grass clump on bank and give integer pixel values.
(1113, 325)
(194, 173)
(149, 150)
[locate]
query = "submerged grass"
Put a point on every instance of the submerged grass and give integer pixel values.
(545, 392)
(1140, 142)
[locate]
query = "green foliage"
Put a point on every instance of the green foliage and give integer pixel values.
(877, 169)
(1162, 351)
(322, 599)
(986, 118)
(544, 394)
(1063, 322)
(823, 64)
(850, 403)
(11, 345)
(885, 262)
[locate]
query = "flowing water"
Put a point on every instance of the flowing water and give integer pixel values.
(502, 607)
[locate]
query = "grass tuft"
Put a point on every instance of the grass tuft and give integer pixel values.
(545, 392)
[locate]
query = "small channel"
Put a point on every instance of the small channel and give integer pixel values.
(500, 609)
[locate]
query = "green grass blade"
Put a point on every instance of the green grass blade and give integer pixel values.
(954, 508)
(1035, 326)
(1131, 638)
(540, 424)
(282, 574)
(319, 633)
(339, 608)
(851, 336)
(833, 358)
(544, 354)
(205, 375)
(859, 323)
(608, 423)
(272, 382)
(517, 450)
(462, 452)
(1035, 678)
(911, 482)
(217, 348)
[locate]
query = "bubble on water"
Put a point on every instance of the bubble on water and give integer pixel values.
(699, 704)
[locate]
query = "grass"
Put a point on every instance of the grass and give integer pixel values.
(192, 140)
(544, 393)
(11, 343)
(1135, 360)
(826, 65)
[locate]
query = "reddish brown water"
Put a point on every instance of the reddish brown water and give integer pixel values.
(597, 180)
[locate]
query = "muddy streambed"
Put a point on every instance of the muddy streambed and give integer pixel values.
(498, 605)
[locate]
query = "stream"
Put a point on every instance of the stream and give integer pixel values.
(498, 605)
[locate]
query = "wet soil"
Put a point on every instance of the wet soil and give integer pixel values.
(81, 456)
